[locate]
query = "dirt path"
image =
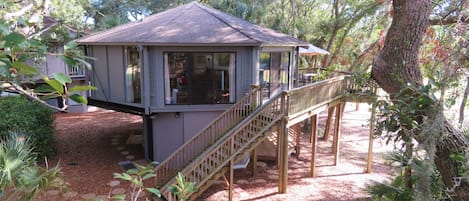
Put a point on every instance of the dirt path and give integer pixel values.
(346, 181)
(91, 145)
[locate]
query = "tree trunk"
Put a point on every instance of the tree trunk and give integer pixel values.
(396, 66)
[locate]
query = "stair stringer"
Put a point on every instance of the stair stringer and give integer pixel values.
(240, 140)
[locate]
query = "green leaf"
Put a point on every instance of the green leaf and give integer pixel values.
(173, 189)
(5, 62)
(154, 191)
(123, 176)
(4, 71)
(147, 176)
(69, 60)
(55, 84)
(44, 89)
(70, 45)
(119, 197)
(4, 29)
(24, 68)
(84, 62)
(82, 88)
(62, 78)
(14, 39)
(50, 96)
(78, 98)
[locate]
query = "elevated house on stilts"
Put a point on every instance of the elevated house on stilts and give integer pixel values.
(210, 88)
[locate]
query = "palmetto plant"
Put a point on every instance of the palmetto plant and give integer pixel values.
(183, 189)
(20, 177)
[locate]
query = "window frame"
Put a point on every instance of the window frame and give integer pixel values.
(168, 96)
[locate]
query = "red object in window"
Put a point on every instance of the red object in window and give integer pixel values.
(183, 80)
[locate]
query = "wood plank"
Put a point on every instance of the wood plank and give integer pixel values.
(283, 157)
(298, 139)
(337, 125)
(314, 147)
(330, 112)
(230, 190)
(254, 163)
(369, 160)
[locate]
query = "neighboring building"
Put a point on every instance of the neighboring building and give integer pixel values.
(53, 64)
(181, 68)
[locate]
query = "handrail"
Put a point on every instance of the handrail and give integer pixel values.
(244, 136)
(233, 143)
(315, 94)
(167, 169)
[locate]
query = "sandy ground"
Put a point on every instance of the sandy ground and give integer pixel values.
(91, 145)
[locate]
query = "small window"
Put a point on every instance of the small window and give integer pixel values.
(132, 75)
(194, 78)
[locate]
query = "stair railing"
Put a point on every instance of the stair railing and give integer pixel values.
(174, 163)
(245, 135)
(239, 141)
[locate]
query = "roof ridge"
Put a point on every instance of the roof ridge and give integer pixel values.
(210, 12)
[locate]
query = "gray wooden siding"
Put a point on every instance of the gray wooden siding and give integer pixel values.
(108, 75)
(116, 73)
(100, 73)
(171, 130)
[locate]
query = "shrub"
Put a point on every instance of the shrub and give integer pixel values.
(18, 114)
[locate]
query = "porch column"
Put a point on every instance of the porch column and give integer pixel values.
(283, 156)
(254, 162)
(148, 137)
(230, 187)
(283, 144)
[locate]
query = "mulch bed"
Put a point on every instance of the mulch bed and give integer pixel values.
(89, 158)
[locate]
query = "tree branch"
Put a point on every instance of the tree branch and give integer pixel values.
(19, 89)
(449, 20)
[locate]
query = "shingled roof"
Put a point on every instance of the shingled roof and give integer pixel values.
(192, 24)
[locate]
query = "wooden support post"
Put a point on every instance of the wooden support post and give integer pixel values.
(330, 112)
(283, 157)
(298, 139)
(337, 125)
(254, 162)
(230, 187)
(370, 140)
(314, 143)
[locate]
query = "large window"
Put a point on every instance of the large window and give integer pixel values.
(273, 74)
(132, 75)
(194, 78)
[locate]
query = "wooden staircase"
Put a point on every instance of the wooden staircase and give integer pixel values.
(236, 132)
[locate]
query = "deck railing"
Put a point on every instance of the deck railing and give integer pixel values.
(233, 145)
(237, 131)
(76, 71)
(206, 137)
(312, 95)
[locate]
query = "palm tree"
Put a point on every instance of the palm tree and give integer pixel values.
(20, 177)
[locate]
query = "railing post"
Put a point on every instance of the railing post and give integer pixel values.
(283, 144)
(257, 97)
(284, 103)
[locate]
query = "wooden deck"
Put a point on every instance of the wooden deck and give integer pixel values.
(238, 131)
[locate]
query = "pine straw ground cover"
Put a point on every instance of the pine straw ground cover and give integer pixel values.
(90, 146)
